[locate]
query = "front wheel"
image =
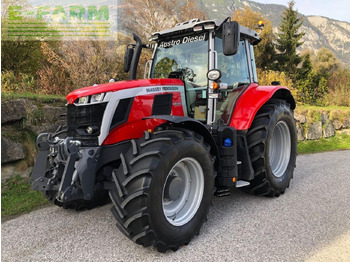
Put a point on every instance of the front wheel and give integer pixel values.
(272, 143)
(163, 189)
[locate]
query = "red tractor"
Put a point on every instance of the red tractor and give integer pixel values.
(196, 126)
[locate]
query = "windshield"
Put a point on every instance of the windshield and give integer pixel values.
(185, 58)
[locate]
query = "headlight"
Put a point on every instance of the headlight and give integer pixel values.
(83, 100)
(209, 26)
(214, 74)
(97, 98)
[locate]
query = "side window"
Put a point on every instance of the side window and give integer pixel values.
(235, 73)
(196, 99)
(234, 69)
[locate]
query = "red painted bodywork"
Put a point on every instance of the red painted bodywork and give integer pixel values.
(249, 103)
(121, 85)
(141, 107)
(244, 112)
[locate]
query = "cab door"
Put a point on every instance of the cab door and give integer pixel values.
(236, 74)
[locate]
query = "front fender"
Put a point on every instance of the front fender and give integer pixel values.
(193, 125)
(253, 98)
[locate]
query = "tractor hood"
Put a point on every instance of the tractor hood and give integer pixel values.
(121, 85)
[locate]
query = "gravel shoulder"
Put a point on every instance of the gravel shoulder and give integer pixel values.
(310, 222)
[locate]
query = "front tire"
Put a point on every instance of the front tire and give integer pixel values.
(272, 143)
(163, 189)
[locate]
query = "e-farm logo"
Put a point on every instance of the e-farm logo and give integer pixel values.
(74, 21)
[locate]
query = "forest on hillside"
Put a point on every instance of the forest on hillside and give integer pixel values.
(59, 66)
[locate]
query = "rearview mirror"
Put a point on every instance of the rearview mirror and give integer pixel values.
(128, 57)
(230, 38)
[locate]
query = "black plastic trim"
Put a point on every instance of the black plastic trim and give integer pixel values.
(246, 172)
(162, 104)
(123, 109)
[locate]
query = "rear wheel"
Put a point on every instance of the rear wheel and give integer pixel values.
(272, 142)
(163, 189)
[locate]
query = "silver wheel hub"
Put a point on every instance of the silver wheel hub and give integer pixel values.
(280, 149)
(183, 191)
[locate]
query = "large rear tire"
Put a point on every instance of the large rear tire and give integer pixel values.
(272, 143)
(163, 189)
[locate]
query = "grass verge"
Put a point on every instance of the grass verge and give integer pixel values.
(46, 99)
(339, 142)
(322, 108)
(17, 197)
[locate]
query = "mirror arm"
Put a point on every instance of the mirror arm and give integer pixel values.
(218, 30)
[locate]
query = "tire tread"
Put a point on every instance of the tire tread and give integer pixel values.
(132, 218)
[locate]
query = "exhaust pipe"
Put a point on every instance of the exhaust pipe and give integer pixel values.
(135, 57)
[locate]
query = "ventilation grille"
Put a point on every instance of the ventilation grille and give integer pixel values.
(79, 118)
(162, 104)
(121, 113)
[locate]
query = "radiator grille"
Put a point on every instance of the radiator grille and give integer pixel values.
(79, 118)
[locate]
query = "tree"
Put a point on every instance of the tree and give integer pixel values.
(145, 17)
(313, 89)
(21, 54)
(81, 63)
(326, 63)
(265, 50)
(321, 77)
(339, 87)
(288, 41)
(306, 67)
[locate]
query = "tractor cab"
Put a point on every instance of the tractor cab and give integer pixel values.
(215, 61)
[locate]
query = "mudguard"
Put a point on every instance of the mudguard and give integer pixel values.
(252, 99)
(191, 124)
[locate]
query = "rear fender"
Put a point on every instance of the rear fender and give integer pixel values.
(253, 99)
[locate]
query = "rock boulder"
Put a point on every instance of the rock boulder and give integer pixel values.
(11, 151)
(337, 124)
(300, 118)
(329, 130)
(300, 132)
(15, 110)
(315, 131)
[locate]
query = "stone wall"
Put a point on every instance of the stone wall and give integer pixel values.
(314, 124)
(21, 121)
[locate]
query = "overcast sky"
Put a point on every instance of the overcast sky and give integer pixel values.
(336, 9)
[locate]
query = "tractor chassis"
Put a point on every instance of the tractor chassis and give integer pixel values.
(61, 163)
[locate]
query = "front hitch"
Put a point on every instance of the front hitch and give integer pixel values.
(64, 168)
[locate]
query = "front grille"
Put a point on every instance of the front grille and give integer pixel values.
(80, 118)
(121, 113)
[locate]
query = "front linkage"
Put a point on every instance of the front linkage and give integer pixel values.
(64, 172)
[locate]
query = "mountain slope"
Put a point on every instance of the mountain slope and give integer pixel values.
(320, 31)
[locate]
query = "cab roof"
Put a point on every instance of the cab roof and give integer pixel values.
(187, 27)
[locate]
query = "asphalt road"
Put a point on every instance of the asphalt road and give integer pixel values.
(310, 222)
